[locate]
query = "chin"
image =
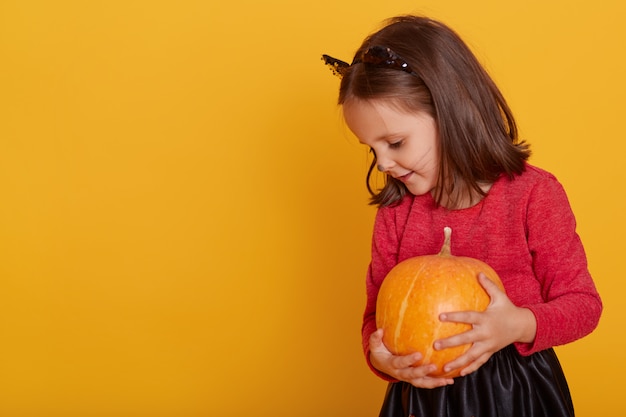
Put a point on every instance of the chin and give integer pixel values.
(419, 191)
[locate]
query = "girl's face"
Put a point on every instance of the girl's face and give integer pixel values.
(405, 144)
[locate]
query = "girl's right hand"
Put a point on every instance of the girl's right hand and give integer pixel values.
(403, 368)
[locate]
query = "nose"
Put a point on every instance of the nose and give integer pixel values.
(383, 164)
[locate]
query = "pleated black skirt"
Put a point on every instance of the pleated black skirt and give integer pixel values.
(508, 385)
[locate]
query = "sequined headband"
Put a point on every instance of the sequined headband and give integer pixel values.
(380, 56)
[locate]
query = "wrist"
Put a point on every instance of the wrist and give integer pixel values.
(528, 326)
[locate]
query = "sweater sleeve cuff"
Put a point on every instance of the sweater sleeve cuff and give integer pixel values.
(527, 349)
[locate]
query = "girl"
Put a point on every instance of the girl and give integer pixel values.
(443, 135)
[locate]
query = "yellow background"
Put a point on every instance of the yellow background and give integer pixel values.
(183, 219)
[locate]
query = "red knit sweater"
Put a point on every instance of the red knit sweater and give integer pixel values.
(524, 229)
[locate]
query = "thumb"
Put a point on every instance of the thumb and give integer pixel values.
(376, 340)
(490, 287)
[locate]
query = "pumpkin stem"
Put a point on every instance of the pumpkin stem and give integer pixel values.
(445, 249)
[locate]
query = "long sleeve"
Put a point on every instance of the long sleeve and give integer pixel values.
(385, 244)
(571, 305)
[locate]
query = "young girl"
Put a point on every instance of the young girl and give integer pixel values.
(443, 135)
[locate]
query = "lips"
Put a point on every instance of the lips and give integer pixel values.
(405, 178)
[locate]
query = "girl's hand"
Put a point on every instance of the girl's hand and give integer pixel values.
(501, 324)
(403, 368)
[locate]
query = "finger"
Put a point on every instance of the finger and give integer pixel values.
(462, 361)
(408, 363)
(377, 336)
(475, 364)
(376, 341)
(415, 373)
(469, 361)
(490, 287)
(465, 338)
(429, 382)
(468, 317)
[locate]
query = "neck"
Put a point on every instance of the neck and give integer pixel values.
(462, 199)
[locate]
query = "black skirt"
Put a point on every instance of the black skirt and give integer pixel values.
(508, 385)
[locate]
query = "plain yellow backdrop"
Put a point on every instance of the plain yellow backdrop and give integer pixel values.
(183, 219)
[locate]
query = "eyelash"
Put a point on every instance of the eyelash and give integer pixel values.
(393, 145)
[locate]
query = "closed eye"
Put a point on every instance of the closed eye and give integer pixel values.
(396, 145)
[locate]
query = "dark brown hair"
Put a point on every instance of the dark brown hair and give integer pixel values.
(477, 131)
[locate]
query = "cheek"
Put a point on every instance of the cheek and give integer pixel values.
(425, 159)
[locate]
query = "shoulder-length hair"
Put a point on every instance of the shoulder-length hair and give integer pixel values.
(477, 132)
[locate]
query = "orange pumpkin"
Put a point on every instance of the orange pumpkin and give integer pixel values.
(417, 290)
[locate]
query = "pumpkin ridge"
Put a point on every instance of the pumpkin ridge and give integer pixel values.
(447, 284)
(405, 304)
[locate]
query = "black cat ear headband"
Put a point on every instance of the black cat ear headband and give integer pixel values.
(380, 56)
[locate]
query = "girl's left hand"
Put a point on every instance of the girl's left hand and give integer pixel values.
(501, 324)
